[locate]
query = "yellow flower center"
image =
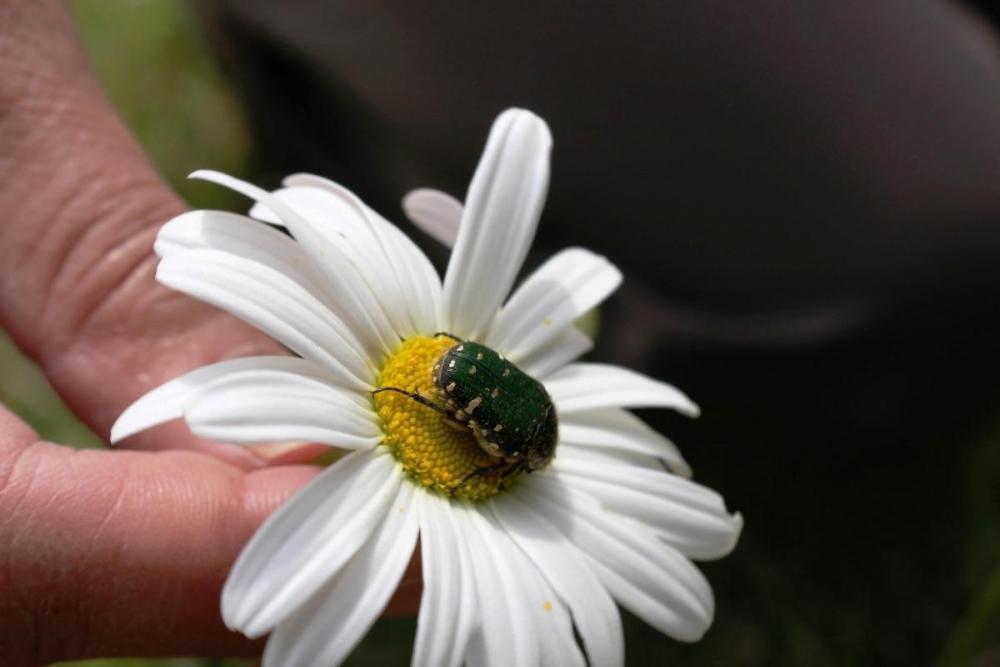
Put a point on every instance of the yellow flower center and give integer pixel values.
(439, 453)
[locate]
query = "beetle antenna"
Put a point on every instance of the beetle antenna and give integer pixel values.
(422, 400)
(448, 335)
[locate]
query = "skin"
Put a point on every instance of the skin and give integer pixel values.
(110, 552)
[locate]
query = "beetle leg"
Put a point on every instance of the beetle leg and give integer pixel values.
(488, 470)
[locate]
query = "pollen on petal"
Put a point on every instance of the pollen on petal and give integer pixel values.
(438, 452)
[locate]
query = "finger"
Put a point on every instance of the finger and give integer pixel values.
(82, 205)
(176, 435)
(124, 553)
(159, 336)
(286, 453)
(247, 457)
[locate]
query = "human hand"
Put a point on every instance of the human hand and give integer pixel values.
(101, 552)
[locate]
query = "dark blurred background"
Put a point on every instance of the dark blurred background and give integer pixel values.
(804, 198)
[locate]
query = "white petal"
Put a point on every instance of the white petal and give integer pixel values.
(568, 345)
(611, 456)
(649, 578)
(538, 603)
(421, 284)
(245, 237)
(275, 304)
(501, 214)
(567, 570)
(449, 610)
(328, 627)
(240, 236)
(584, 386)
(269, 405)
(362, 310)
(346, 220)
(436, 213)
(414, 297)
(557, 644)
(166, 402)
(308, 540)
(688, 516)
(568, 285)
(507, 635)
(620, 429)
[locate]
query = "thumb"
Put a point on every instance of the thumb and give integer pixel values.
(115, 553)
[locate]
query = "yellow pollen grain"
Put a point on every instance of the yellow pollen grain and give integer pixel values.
(547, 606)
(436, 452)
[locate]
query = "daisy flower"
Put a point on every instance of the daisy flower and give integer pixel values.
(539, 501)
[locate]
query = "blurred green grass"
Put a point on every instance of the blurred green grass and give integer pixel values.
(153, 60)
(154, 63)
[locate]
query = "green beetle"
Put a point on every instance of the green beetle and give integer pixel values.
(509, 412)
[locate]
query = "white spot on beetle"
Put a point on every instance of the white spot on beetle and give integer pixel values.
(498, 428)
(450, 387)
(491, 448)
(459, 348)
(473, 404)
(472, 370)
(495, 392)
(506, 372)
(451, 364)
(479, 356)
